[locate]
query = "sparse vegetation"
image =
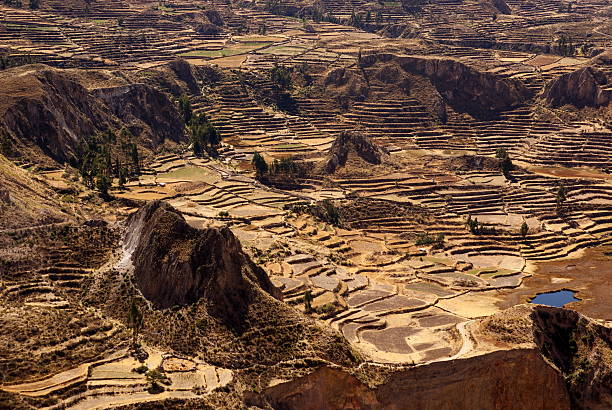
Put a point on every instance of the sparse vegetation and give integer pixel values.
(505, 163)
(135, 321)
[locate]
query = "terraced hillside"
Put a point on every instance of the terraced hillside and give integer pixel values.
(404, 173)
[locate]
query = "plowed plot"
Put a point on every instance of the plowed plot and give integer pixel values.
(427, 287)
(394, 302)
(391, 340)
(438, 320)
(436, 353)
(366, 296)
(325, 282)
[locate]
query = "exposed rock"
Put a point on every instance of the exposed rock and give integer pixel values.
(532, 357)
(502, 6)
(185, 73)
(145, 111)
(176, 264)
(56, 109)
(463, 87)
(515, 383)
(48, 108)
(584, 87)
(603, 58)
(351, 142)
(581, 349)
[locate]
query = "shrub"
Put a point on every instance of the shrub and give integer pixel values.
(426, 239)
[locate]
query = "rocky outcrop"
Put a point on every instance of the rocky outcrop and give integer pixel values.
(352, 143)
(585, 87)
(581, 349)
(176, 264)
(48, 108)
(528, 357)
(466, 89)
(56, 110)
(500, 380)
(145, 111)
(501, 6)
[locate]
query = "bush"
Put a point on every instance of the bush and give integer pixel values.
(261, 166)
(281, 76)
(426, 239)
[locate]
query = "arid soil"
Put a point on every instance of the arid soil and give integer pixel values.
(391, 185)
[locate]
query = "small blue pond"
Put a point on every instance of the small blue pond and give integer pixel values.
(557, 299)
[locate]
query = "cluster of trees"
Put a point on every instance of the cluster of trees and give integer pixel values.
(479, 228)
(565, 45)
(425, 239)
(100, 163)
(284, 167)
(362, 20)
(13, 3)
(33, 4)
(15, 61)
(505, 163)
(325, 211)
(281, 76)
(413, 6)
(204, 136)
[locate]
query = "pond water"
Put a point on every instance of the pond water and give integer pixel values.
(557, 299)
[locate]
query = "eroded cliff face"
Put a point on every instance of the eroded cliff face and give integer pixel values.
(584, 87)
(147, 112)
(464, 88)
(582, 350)
(514, 379)
(55, 110)
(437, 83)
(45, 107)
(176, 264)
(527, 357)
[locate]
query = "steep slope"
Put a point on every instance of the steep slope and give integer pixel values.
(55, 110)
(585, 87)
(201, 294)
(355, 146)
(518, 351)
(436, 83)
(464, 88)
(176, 264)
(24, 200)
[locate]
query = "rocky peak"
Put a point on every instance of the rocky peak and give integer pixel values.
(176, 264)
(353, 143)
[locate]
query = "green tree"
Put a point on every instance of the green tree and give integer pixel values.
(281, 76)
(135, 321)
(561, 197)
(505, 163)
(308, 301)
(524, 229)
(103, 184)
(332, 214)
(260, 164)
(185, 108)
(203, 134)
(135, 158)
